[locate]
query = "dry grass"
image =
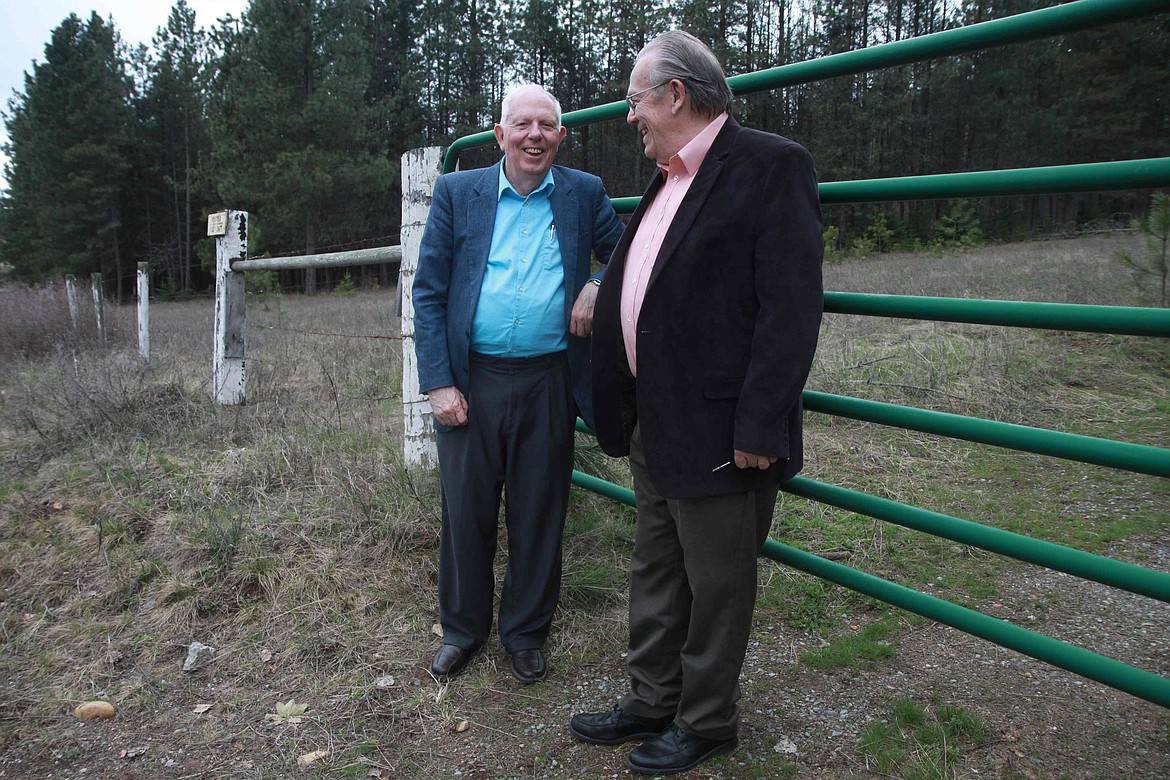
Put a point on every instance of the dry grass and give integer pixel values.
(136, 516)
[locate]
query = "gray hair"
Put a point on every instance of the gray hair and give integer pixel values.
(682, 56)
(506, 104)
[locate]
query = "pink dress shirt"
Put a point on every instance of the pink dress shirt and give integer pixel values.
(678, 172)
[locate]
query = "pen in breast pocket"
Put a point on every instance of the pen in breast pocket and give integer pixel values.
(725, 465)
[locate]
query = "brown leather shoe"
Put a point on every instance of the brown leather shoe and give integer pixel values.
(615, 727)
(451, 660)
(675, 751)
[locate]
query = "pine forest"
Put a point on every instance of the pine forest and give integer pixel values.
(300, 110)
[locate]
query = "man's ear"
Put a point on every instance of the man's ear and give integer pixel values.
(678, 96)
(499, 131)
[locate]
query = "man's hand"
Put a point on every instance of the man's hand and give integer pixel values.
(746, 460)
(449, 406)
(581, 320)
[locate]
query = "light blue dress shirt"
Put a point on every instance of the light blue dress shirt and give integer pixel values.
(521, 309)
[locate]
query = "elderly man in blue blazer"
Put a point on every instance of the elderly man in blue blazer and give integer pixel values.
(503, 302)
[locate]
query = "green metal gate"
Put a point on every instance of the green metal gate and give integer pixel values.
(1132, 174)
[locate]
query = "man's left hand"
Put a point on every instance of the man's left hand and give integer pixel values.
(747, 460)
(581, 320)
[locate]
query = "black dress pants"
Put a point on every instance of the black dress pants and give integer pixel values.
(518, 440)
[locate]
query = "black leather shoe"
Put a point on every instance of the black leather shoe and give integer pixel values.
(675, 751)
(615, 727)
(529, 666)
(451, 660)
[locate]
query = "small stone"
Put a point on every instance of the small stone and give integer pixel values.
(198, 656)
(94, 709)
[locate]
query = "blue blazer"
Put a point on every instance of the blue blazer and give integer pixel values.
(453, 259)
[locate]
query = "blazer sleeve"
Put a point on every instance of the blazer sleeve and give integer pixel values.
(788, 252)
(607, 228)
(431, 293)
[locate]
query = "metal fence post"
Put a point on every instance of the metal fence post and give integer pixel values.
(227, 369)
(420, 171)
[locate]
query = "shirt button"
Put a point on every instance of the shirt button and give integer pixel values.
(525, 232)
(676, 178)
(521, 289)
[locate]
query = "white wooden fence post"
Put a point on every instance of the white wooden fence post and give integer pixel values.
(144, 310)
(227, 366)
(420, 170)
(95, 281)
(71, 297)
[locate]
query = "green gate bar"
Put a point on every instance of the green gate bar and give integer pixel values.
(1098, 568)
(1121, 320)
(1083, 177)
(1123, 677)
(1140, 458)
(1044, 23)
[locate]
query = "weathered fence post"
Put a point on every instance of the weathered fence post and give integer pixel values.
(420, 170)
(227, 367)
(95, 281)
(71, 297)
(144, 310)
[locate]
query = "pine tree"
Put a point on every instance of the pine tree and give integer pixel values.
(173, 114)
(294, 139)
(71, 134)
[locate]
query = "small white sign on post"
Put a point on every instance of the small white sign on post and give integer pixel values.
(217, 224)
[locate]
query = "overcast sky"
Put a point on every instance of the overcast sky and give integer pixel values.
(25, 26)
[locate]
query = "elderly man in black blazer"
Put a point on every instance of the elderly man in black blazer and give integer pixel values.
(704, 331)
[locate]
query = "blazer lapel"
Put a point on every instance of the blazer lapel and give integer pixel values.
(618, 261)
(479, 220)
(564, 211)
(696, 196)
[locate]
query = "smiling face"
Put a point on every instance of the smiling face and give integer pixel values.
(529, 138)
(653, 115)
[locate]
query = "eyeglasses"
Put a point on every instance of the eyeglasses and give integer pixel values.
(633, 104)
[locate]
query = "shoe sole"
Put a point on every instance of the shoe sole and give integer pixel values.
(619, 740)
(712, 753)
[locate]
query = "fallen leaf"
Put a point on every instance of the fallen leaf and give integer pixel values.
(265, 655)
(202, 708)
(437, 629)
(460, 727)
(287, 712)
(131, 753)
(309, 759)
(384, 682)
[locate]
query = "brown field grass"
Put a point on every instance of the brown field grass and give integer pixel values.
(137, 517)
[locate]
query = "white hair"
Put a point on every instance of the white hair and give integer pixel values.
(506, 104)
